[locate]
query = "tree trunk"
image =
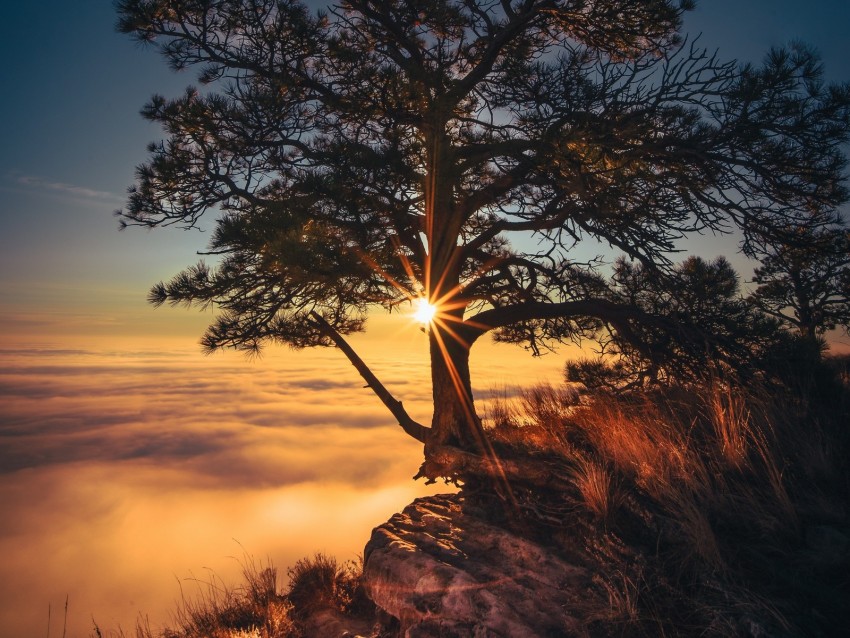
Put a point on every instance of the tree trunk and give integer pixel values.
(456, 438)
(455, 425)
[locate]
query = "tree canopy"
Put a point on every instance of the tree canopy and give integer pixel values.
(804, 281)
(701, 325)
(464, 151)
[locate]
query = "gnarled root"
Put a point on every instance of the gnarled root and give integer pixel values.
(459, 467)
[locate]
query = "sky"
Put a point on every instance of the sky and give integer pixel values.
(129, 463)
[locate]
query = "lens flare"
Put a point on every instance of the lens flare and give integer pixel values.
(424, 312)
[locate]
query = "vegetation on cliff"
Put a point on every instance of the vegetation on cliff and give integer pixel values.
(700, 509)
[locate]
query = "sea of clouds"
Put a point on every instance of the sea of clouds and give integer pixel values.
(123, 474)
(130, 477)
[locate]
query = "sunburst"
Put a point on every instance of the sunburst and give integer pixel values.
(424, 312)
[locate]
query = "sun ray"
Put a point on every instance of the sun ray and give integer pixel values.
(369, 261)
(474, 423)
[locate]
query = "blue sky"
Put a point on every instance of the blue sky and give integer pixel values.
(72, 134)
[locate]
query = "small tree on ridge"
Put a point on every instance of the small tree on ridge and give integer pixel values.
(702, 325)
(804, 281)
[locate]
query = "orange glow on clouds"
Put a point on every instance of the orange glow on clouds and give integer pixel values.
(120, 471)
(129, 463)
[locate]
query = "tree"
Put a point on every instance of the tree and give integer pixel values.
(701, 325)
(460, 150)
(804, 281)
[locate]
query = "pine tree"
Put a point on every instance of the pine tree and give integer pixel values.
(701, 326)
(462, 151)
(804, 281)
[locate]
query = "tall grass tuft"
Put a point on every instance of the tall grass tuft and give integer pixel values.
(216, 610)
(258, 608)
(723, 509)
(598, 488)
(322, 582)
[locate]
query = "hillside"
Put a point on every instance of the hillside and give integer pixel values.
(704, 510)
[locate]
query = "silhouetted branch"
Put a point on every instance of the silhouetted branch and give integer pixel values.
(608, 311)
(411, 427)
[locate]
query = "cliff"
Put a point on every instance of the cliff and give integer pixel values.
(696, 512)
(440, 569)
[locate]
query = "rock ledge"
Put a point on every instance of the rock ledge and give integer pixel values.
(440, 571)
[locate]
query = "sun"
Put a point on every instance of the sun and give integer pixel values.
(423, 311)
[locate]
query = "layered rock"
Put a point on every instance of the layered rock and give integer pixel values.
(441, 570)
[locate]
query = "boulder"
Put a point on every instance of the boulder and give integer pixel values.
(330, 623)
(440, 569)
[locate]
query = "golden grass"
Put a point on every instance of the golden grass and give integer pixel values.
(253, 609)
(258, 608)
(713, 485)
(322, 582)
(599, 489)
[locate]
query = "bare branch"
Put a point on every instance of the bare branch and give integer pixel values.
(411, 427)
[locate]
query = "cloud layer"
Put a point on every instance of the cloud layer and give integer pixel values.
(122, 471)
(125, 472)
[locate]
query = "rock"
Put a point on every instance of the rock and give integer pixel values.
(442, 571)
(329, 623)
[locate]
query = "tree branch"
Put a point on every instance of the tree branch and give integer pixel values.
(617, 315)
(411, 427)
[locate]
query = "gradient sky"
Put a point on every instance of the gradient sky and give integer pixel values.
(128, 462)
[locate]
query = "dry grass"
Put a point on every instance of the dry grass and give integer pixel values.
(711, 491)
(322, 582)
(215, 610)
(598, 487)
(209, 608)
